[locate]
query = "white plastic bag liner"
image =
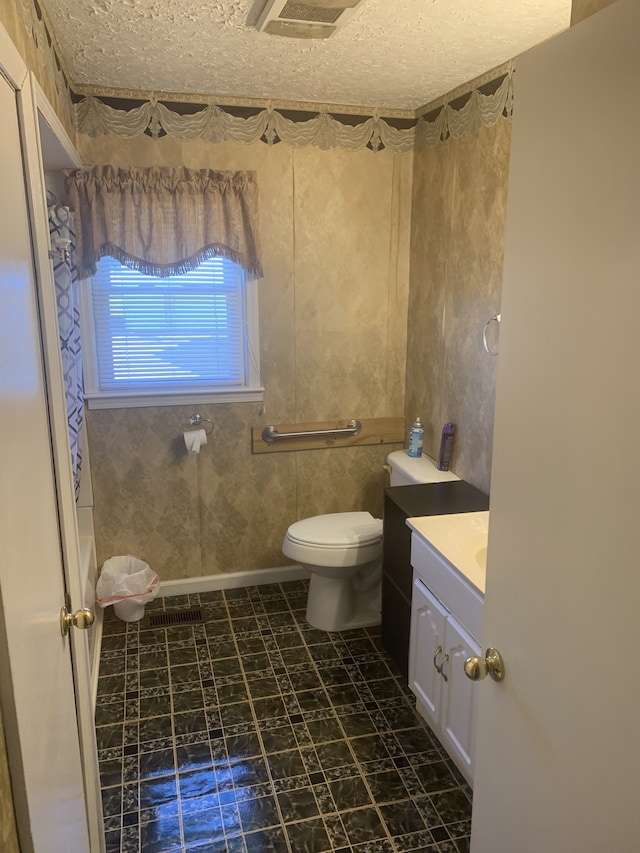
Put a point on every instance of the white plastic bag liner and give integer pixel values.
(128, 583)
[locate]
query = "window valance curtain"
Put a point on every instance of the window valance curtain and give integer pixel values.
(163, 221)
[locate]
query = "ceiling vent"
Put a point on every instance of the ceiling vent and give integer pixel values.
(312, 19)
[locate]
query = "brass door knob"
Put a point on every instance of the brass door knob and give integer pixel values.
(82, 618)
(477, 668)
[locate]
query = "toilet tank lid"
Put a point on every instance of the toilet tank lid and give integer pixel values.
(418, 470)
(337, 528)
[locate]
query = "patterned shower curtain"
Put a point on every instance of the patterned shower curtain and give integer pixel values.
(63, 244)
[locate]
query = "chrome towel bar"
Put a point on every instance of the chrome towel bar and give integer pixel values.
(271, 434)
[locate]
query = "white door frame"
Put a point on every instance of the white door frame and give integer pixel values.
(31, 102)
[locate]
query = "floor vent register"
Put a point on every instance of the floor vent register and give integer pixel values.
(170, 618)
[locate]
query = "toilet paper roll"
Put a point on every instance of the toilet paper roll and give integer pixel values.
(193, 441)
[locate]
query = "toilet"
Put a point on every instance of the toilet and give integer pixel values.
(343, 553)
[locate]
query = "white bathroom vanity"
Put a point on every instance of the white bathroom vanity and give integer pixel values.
(448, 555)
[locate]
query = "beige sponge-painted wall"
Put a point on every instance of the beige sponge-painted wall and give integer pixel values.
(457, 245)
(457, 248)
(333, 313)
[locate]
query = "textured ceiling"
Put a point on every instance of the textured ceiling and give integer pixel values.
(397, 54)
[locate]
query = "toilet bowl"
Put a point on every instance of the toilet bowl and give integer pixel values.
(343, 553)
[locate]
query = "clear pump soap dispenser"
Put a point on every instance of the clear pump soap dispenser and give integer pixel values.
(416, 438)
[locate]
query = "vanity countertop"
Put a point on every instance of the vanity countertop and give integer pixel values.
(461, 539)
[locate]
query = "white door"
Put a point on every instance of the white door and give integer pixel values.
(36, 684)
(557, 750)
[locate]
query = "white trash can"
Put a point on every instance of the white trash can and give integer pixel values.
(128, 583)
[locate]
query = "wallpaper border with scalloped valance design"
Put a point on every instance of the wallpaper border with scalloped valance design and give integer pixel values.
(481, 103)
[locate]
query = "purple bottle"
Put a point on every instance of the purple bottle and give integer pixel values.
(446, 446)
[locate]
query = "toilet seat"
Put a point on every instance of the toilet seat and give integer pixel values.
(339, 539)
(344, 530)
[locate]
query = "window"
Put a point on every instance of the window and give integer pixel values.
(148, 339)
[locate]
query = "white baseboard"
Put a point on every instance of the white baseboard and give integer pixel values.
(254, 577)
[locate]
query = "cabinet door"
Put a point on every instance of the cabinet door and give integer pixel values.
(458, 707)
(426, 646)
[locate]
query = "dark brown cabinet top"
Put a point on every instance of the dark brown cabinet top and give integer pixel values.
(438, 498)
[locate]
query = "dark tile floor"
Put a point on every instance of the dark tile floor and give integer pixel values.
(255, 733)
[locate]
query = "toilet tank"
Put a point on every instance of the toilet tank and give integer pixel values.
(407, 470)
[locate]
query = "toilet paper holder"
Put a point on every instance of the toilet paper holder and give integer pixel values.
(197, 420)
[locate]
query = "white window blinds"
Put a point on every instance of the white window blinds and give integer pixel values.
(161, 335)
